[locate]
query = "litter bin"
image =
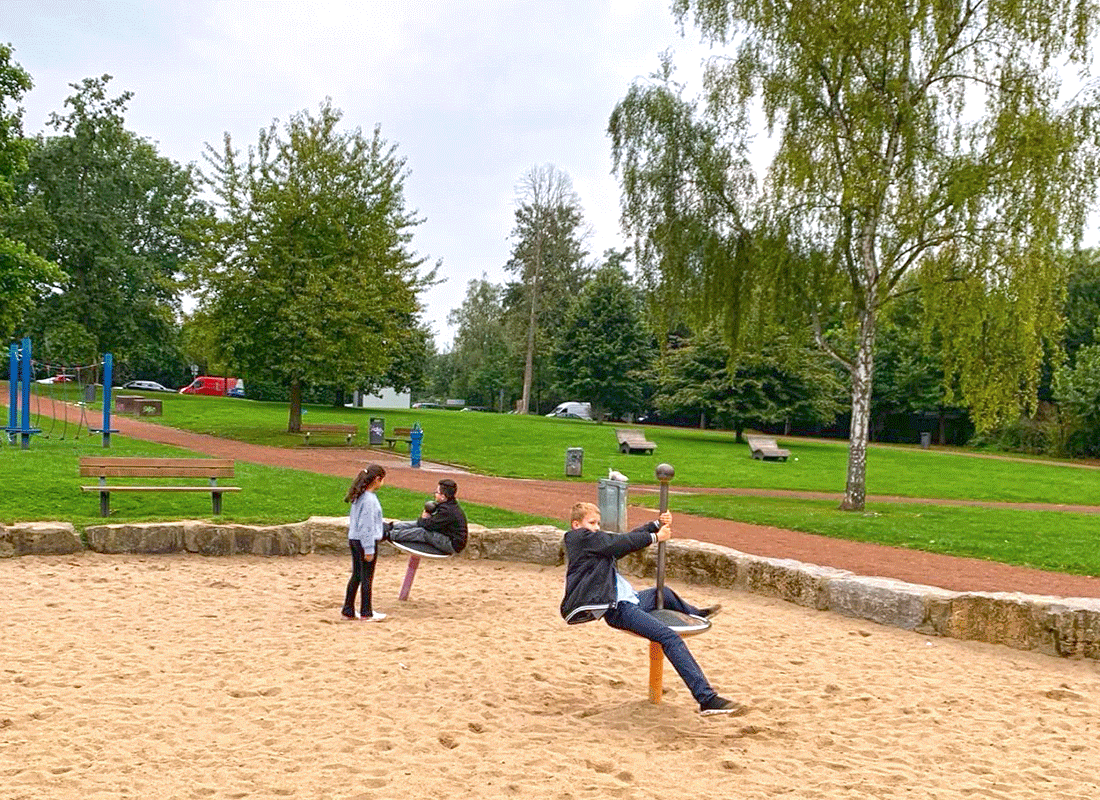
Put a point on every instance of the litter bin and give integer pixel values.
(611, 500)
(574, 462)
(925, 440)
(377, 431)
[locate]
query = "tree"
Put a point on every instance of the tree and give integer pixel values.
(118, 218)
(911, 140)
(1077, 389)
(604, 354)
(480, 356)
(308, 276)
(548, 255)
(782, 383)
(24, 275)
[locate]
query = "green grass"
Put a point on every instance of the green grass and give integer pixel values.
(534, 447)
(43, 483)
(1050, 540)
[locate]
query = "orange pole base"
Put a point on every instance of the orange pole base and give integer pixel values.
(656, 672)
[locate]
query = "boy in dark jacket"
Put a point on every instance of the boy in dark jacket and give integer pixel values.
(594, 588)
(444, 527)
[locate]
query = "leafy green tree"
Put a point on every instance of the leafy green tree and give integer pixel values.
(118, 218)
(911, 140)
(604, 354)
(548, 256)
(480, 357)
(1077, 389)
(1082, 306)
(308, 275)
(24, 275)
(780, 384)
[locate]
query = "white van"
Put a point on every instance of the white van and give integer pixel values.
(572, 409)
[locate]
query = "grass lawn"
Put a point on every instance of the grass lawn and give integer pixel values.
(43, 483)
(534, 447)
(1050, 540)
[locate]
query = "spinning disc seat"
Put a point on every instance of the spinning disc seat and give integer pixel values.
(416, 551)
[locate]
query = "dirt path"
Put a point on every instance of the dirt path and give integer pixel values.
(554, 498)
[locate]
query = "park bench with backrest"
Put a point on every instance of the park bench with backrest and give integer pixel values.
(763, 447)
(632, 440)
(110, 467)
(399, 435)
(349, 432)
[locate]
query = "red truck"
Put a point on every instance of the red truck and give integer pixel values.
(220, 387)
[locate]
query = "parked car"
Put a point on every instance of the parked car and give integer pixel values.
(573, 410)
(57, 379)
(476, 408)
(215, 385)
(146, 386)
(426, 405)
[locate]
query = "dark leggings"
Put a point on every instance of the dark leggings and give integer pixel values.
(362, 574)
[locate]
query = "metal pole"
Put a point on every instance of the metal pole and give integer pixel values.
(108, 369)
(664, 475)
(13, 390)
(25, 432)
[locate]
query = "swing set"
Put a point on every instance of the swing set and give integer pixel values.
(66, 388)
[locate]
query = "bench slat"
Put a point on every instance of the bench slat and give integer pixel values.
(212, 489)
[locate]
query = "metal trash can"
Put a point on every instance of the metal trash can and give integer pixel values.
(925, 440)
(611, 500)
(377, 431)
(574, 462)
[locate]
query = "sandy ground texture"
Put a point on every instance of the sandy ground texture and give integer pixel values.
(188, 677)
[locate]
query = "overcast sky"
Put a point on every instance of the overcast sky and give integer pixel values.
(473, 93)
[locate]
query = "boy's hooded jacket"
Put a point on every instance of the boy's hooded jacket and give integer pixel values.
(590, 575)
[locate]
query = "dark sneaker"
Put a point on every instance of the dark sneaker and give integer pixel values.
(720, 705)
(347, 614)
(710, 611)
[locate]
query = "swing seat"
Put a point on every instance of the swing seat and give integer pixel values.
(416, 551)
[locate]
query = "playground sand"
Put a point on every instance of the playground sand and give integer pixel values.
(190, 677)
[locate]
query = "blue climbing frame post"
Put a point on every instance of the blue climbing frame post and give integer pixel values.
(25, 391)
(108, 369)
(13, 390)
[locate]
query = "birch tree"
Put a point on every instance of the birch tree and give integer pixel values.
(932, 140)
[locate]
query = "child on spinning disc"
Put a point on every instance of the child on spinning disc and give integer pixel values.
(594, 588)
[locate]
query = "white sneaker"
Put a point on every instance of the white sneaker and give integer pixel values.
(378, 616)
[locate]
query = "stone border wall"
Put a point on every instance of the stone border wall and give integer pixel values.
(1052, 625)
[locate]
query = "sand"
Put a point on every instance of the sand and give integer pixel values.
(190, 677)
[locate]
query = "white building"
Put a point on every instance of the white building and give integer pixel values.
(386, 398)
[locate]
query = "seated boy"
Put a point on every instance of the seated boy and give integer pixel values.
(443, 527)
(594, 588)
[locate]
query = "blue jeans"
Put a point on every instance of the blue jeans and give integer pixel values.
(636, 619)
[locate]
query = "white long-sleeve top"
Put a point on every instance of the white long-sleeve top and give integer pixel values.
(365, 521)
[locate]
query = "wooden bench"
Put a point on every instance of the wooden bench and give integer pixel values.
(399, 435)
(632, 440)
(105, 467)
(763, 447)
(349, 431)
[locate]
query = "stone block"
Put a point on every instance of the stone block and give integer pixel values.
(886, 601)
(1012, 619)
(801, 584)
(149, 537)
(39, 539)
(536, 544)
(327, 534)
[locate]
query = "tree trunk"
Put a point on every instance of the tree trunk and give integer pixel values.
(294, 424)
(855, 490)
(529, 363)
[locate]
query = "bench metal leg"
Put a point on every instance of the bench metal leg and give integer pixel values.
(216, 498)
(410, 573)
(104, 504)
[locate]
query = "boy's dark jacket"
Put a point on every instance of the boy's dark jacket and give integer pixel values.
(590, 576)
(450, 520)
